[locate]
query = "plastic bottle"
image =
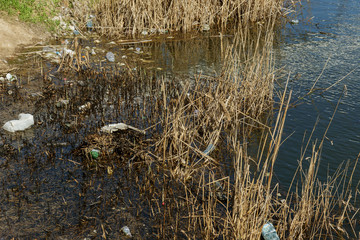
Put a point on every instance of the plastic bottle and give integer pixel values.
(209, 149)
(268, 232)
(95, 153)
(25, 121)
(126, 231)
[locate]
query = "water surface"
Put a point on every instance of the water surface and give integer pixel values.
(326, 39)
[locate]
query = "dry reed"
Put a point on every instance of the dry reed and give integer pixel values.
(206, 117)
(211, 115)
(116, 18)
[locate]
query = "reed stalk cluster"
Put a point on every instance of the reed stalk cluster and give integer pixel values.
(202, 178)
(116, 18)
(225, 116)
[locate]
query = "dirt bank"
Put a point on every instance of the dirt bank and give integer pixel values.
(14, 34)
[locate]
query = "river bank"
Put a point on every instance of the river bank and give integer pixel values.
(203, 164)
(14, 34)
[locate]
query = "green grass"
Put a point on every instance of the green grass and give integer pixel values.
(35, 11)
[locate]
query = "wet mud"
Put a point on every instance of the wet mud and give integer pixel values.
(52, 186)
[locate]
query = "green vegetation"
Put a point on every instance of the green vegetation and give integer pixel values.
(35, 11)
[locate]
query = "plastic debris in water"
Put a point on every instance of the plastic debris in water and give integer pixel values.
(119, 126)
(110, 57)
(137, 50)
(209, 149)
(144, 32)
(85, 106)
(268, 232)
(25, 121)
(68, 52)
(10, 77)
(95, 153)
(206, 27)
(126, 231)
(294, 21)
(89, 25)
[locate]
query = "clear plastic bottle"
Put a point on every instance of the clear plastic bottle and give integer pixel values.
(268, 232)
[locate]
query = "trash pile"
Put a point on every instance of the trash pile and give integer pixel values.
(8, 78)
(117, 143)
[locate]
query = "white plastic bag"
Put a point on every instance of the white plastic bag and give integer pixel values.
(119, 126)
(25, 121)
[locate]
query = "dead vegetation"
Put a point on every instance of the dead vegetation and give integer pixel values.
(193, 173)
(196, 130)
(116, 18)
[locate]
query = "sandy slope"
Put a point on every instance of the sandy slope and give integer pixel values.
(14, 34)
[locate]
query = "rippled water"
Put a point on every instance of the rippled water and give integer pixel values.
(324, 45)
(326, 39)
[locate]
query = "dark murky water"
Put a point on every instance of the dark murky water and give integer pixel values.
(47, 190)
(327, 38)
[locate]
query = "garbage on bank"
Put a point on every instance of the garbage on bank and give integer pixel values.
(25, 121)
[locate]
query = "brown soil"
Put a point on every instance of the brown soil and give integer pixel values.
(15, 34)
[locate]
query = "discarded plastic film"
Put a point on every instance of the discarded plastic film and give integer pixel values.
(120, 126)
(126, 231)
(268, 232)
(89, 25)
(209, 149)
(110, 57)
(10, 77)
(25, 121)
